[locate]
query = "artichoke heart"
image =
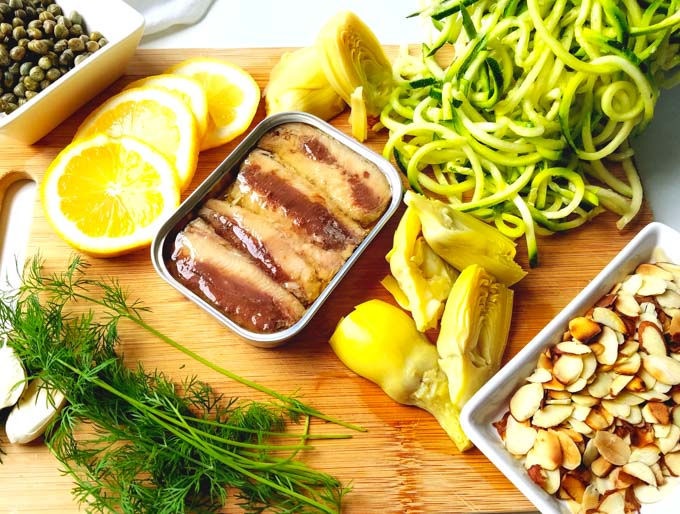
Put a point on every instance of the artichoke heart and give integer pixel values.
(351, 56)
(461, 239)
(474, 332)
(380, 342)
(423, 277)
(297, 83)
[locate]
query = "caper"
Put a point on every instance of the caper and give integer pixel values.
(37, 73)
(20, 13)
(14, 68)
(60, 31)
(45, 16)
(76, 18)
(53, 74)
(31, 12)
(25, 68)
(39, 46)
(76, 29)
(5, 29)
(9, 98)
(30, 94)
(48, 26)
(8, 80)
(31, 85)
(80, 58)
(66, 57)
(17, 53)
(17, 22)
(3, 105)
(76, 44)
(23, 42)
(64, 21)
(95, 36)
(19, 90)
(16, 4)
(19, 33)
(4, 56)
(84, 37)
(102, 41)
(45, 62)
(60, 45)
(92, 46)
(55, 9)
(34, 33)
(5, 9)
(21, 102)
(44, 84)
(35, 24)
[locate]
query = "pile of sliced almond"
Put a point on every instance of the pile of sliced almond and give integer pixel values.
(598, 423)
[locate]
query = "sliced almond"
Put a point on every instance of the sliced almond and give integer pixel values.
(672, 463)
(667, 444)
(647, 269)
(601, 466)
(548, 480)
(599, 387)
(619, 383)
(636, 385)
(568, 368)
(583, 329)
(580, 426)
(628, 365)
(551, 415)
(614, 503)
(609, 318)
(669, 299)
(526, 401)
(631, 284)
(640, 471)
(589, 366)
(647, 494)
(661, 431)
(617, 409)
(610, 345)
(572, 347)
(674, 328)
(656, 412)
(599, 418)
(651, 338)
(578, 385)
(662, 368)
(540, 375)
(627, 305)
(648, 455)
(612, 447)
(629, 347)
(519, 436)
(620, 479)
(634, 416)
(652, 286)
(573, 487)
(571, 455)
(584, 399)
(546, 452)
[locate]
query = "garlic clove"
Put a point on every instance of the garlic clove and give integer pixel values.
(36, 408)
(12, 377)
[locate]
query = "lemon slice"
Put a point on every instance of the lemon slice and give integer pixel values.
(107, 196)
(157, 116)
(233, 97)
(189, 89)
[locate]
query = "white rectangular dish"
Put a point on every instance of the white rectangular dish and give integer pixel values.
(491, 402)
(123, 27)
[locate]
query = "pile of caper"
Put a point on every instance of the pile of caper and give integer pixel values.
(38, 44)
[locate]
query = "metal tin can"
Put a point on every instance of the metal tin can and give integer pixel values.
(218, 181)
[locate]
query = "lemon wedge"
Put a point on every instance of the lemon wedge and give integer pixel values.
(189, 89)
(233, 97)
(108, 196)
(155, 115)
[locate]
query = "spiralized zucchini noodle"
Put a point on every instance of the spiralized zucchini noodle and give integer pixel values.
(528, 125)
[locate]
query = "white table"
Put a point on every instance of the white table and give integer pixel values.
(272, 23)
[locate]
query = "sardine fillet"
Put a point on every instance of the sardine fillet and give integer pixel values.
(264, 184)
(355, 184)
(215, 270)
(267, 245)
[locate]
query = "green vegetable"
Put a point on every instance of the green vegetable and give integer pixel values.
(528, 125)
(132, 440)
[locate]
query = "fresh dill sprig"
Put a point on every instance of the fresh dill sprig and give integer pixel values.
(133, 440)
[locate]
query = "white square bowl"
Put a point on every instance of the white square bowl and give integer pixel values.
(123, 27)
(492, 401)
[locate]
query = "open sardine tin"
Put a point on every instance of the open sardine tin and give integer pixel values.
(217, 184)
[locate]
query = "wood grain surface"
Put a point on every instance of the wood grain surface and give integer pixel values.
(404, 462)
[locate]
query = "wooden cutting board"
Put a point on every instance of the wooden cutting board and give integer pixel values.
(404, 462)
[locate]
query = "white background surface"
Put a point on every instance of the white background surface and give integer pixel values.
(271, 23)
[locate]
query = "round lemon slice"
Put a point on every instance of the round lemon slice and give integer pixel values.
(189, 89)
(108, 196)
(155, 115)
(233, 97)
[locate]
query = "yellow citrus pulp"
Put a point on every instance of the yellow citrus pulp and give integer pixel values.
(107, 196)
(159, 117)
(189, 89)
(233, 97)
